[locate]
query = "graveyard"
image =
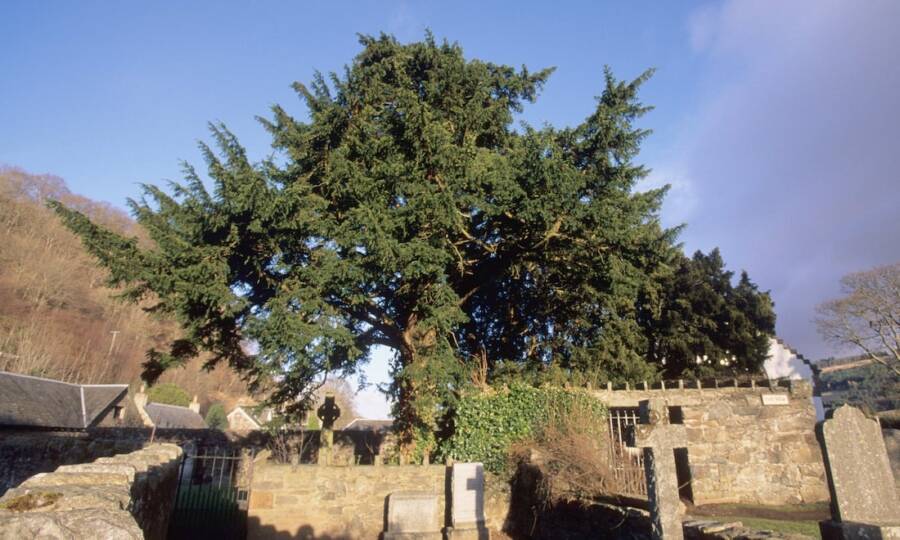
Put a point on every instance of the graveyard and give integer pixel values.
(680, 459)
(450, 271)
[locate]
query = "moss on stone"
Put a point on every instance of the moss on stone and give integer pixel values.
(30, 501)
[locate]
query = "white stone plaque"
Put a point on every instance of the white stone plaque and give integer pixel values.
(467, 488)
(775, 399)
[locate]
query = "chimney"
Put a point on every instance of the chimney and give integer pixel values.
(140, 401)
(195, 405)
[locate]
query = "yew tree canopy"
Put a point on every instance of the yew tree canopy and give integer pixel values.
(409, 211)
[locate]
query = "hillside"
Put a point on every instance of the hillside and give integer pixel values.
(860, 382)
(57, 319)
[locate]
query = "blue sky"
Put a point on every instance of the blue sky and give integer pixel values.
(775, 122)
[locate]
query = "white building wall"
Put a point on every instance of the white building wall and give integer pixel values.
(783, 363)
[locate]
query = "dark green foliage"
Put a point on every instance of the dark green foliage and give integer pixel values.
(216, 417)
(704, 315)
(409, 213)
(487, 424)
(169, 394)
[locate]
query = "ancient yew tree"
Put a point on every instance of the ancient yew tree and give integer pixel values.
(408, 211)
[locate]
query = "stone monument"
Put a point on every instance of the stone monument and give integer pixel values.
(659, 439)
(327, 413)
(412, 515)
(864, 501)
(467, 520)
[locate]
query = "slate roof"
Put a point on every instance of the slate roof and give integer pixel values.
(365, 424)
(173, 416)
(39, 402)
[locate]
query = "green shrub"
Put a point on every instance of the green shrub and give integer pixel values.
(487, 424)
(169, 394)
(216, 417)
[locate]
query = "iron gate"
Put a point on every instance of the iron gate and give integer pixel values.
(627, 463)
(213, 490)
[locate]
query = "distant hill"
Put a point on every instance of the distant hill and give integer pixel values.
(57, 319)
(858, 381)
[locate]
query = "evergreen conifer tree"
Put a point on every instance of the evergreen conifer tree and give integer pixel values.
(408, 212)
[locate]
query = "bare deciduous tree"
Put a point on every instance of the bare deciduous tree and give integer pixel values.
(867, 316)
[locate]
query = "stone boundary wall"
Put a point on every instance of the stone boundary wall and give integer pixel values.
(25, 452)
(312, 501)
(747, 443)
(123, 496)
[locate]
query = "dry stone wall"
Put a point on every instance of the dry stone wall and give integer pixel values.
(127, 496)
(746, 444)
(25, 453)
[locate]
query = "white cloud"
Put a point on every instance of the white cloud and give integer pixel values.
(793, 164)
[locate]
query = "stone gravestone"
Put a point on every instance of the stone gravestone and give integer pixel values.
(327, 413)
(659, 439)
(412, 515)
(864, 501)
(467, 503)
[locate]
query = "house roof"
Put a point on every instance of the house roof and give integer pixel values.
(365, 424)
(173, 416)
(39, 402)
(248, 413)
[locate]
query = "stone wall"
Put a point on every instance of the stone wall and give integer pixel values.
(123, 496)
(311, 501)
(746, 444)
(24, 453)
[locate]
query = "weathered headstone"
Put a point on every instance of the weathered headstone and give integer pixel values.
(659, 439)
(412, 515)
(327, 413)
(467, 502)
(864, 501)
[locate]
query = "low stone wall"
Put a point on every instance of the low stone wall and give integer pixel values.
(24, 453)
(123, 496)
(312, 501)
(746, 444)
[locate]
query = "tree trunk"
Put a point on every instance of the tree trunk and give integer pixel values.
(410, 418)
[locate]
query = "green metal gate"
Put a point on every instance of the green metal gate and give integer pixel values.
(213, 490)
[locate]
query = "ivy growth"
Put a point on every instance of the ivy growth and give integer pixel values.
(488, 424)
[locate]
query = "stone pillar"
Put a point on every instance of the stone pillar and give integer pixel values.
(658, 439)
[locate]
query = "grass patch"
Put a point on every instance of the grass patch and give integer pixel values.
(790, 519)
(808, 528)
